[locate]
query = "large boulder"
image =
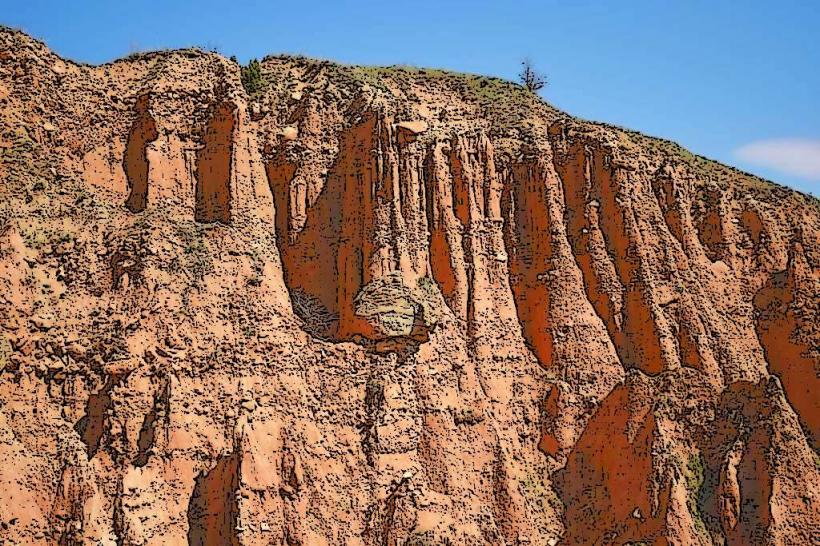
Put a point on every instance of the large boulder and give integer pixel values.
(399, 311)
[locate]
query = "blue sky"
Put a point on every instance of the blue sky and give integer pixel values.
(735, 81)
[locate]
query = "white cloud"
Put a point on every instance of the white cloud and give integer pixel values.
(795, 156)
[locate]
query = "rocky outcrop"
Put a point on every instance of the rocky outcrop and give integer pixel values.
(789, 335)
(386, 306)
(397, 312)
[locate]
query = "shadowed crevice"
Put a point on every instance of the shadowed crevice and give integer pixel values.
(135, 160)
(214, 167)
(212, 509)
(91, 427)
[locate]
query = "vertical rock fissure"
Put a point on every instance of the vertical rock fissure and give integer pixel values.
(212, 510)
(91, 427)
(529, 249)
(601, 284)
(446, 254)
(214, 167)
(607, 245)
(135, 161)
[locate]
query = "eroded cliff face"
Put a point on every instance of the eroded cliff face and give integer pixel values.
(387, 307)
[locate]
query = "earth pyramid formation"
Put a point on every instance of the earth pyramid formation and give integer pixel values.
(387, 306)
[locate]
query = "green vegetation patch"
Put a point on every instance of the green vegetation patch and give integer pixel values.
(252, 79)
(694, 475)
(540, 498)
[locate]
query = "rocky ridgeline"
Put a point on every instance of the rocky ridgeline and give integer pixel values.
(387, 306)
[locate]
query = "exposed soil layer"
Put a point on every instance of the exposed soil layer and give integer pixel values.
(387, 306)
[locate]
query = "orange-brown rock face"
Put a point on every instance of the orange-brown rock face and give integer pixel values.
(387, 307)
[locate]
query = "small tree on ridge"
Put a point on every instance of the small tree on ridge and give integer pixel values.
(531, 78)
(252, 77)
